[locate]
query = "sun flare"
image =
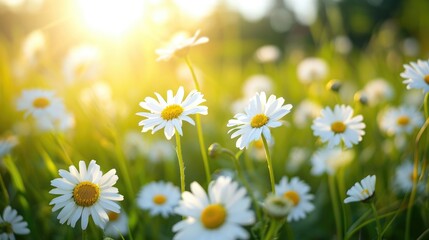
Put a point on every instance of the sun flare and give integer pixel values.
(110, 17)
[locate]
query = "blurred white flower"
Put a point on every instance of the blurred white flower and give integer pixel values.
(378, 91)
(33, 46)
(312, 69)
(343, 44)
(180, 46)
(11, 223)
(330, 160)
(117, 225)
(297, 156)
(218, 215)
(257, 83)
(339, 126)
(361, 191)
(6, 145)
(267, 54)
(40, 104)
(61, 122)
(305, 113)
(160, 198)
(403, 119)
(82, 63)
(260, 115)
(403, 181)
(416, 75)
(298, 192)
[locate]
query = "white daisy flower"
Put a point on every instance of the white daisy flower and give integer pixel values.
(259, 116)
(11, 223)
(329, 160)
(33, 46)
(180, 46)
(267, 54)
(378, 91)
(416, 75)
(40, 104)
(403, 181)
(218, 215)
(82, 63)
(170, 114)
(6, 145)
(257, 83)
(117, 225)
(62, 122)
(339, 125)
(312, 69)
(296, 191)
(305, 113)
(160, 198)
(404, 119)
(85, 192)
(361, 191)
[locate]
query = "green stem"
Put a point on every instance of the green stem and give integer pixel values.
(350, 233)
(335, 207)
(235, 158)
(83, 234)
(274, 228)
(270, 164)
(415, 178)
(423, 235)
(199, 128)
(181, 163)
(379, 232)
(4, 189)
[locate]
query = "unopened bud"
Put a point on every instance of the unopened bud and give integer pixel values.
(277, 206)
(334, 85)
(215, 150)
(361, 97)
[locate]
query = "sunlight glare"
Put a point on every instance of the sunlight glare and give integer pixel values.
(111, 17)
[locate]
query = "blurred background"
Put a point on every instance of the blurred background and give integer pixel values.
(99, 57)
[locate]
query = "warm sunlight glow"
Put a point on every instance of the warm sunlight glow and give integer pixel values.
(111, 17)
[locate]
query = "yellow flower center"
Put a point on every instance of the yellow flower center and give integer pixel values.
(403, 120)
(365, 192)
(259, 120)
(171, 112)
(213, 216)
(113, 216)
(338, 127)
(86, 193)
(426, 78)
(159, 199)
(293, 196)
(41, 102)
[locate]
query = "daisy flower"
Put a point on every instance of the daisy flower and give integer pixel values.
(159, 198)
(404, 119)
(403, 181)
(259, 116)
(312, 69)
(416, 75)
(82, 63)
(297, 192)
(339, 125)
(170, 114)
(11, 223)
(361, 191)
(33, 46)
(267, 54)
(85, 192)
(180, 46)
(257, 83)
(218, 215)
(117, 225)
(329, 160)
(40, 103)
(378, 91)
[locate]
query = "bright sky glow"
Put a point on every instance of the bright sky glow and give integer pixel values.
(111, 17)
(196, 8)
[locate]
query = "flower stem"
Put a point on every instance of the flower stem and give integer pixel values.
(270, 165)
(335, 207)
(199, 128)
(379, 232)
(181, 163)
(274, 228)
(4, 189)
